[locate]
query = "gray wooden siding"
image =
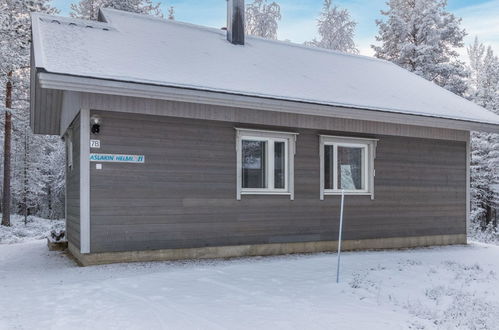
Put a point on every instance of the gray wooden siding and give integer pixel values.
(185, 193)
(263, 117)
(73, 190)
(70, 109)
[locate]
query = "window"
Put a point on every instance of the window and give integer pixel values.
(347, 164)
(265, 162)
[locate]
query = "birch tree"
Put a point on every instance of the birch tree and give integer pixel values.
(336, 29)
(262, 19)
(89, 9)
(171, 13)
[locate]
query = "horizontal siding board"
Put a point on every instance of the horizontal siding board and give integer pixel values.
(73, 190)
(163, 108)
(184, 195)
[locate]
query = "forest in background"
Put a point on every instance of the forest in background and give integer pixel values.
(421, 36)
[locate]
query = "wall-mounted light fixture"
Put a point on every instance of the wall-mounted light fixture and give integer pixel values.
(95, 124)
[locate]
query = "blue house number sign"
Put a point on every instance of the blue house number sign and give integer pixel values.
(112, 158)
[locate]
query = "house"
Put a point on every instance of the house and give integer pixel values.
(191, 142)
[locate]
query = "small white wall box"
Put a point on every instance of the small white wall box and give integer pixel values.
(98, 166)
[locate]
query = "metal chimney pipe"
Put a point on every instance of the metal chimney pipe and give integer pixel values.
(235, 21)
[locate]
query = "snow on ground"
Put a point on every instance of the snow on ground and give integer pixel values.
(490, 235)
(35, 228)
(432, 288)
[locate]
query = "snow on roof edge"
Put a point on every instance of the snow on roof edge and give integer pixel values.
(70, 19)
(36, 39)
(280, 98)
(108, 12)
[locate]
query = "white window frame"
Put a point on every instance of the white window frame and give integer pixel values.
(70, 149)
(270, 137)
(369, 154)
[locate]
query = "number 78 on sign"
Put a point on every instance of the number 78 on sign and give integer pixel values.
(95, 144)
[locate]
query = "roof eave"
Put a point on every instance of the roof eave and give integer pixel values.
(112, 87)
(36, 40)
(45, 107)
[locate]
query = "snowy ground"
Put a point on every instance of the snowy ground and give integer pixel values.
(35, 228)
(444, 288)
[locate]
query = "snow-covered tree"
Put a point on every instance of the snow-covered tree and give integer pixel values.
(262, 19)
(89, 9)
(484, 90)
(482, 179)
(28, 182)
(37, 181)
(15, 32)
(336, 29)
(484, 76)
(171, 13)
(422, 36)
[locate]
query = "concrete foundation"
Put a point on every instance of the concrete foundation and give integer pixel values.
(263, 249)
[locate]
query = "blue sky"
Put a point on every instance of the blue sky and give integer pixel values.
(480, 17)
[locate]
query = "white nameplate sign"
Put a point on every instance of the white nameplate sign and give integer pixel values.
(111, 158)
(95, 144)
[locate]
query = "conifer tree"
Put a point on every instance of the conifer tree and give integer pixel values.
(484, 90)
(422, 36)
(15, 39)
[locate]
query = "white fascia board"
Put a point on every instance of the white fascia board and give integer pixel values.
(111, 87)
(468, 183)
(36, 40)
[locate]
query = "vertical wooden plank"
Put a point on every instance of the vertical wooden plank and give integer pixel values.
(372, 169)
(73, 186)
(85, 181)
(321, 167)
(468, 182)
(291, 166)
(270, 165)
(66, 184)
(239, 164)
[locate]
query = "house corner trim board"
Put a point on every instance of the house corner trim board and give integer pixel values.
(85, 181)
(468, 182)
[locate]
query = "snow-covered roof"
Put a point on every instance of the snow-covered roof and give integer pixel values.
(147, 50)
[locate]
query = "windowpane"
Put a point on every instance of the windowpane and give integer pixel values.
(253, 163)
(350, 168)
(328, 167)
(279, 165)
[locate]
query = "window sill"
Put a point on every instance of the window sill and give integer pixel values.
(360, 193)
(263, 192)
